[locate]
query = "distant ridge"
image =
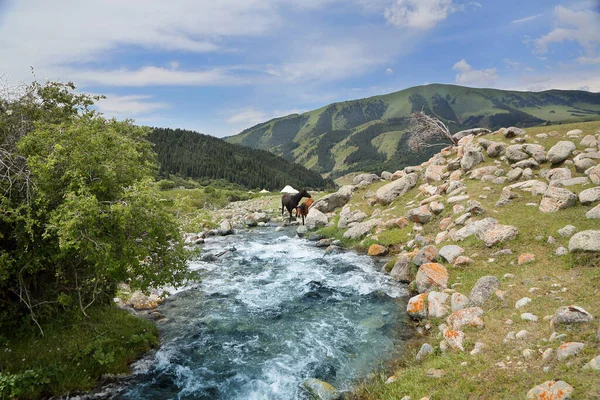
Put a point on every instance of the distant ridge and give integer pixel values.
(370, 134)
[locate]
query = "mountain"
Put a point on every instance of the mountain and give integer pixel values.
(371, 134)
(193, 155)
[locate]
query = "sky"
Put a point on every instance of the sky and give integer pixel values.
(221, 66)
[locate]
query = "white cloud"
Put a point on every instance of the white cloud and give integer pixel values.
(46, 36)
(466, 75)
(156, 76)
(517, 66)
(129, 106)
(420, 14)
(578, 26)
(247, 117)
(389, 71)
(588, 60)
(526, 19)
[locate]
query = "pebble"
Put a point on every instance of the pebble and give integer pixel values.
(547, 353)
(523, 302)
(529, 317)
(522, 334)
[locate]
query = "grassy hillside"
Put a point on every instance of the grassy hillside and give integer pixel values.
(370, 134)
(189, 154)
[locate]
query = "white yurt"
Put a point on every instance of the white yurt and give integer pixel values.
(288, 189)
(264, 191)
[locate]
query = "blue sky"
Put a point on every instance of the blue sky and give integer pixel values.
(220, 66)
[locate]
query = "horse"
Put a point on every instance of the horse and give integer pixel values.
(302, 209)
(291, 201)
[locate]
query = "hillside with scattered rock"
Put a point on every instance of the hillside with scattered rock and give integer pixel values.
(498, 239)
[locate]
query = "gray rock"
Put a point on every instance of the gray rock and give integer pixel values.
(424, 351)
(569, 349)
(558, 174)
(589, 141)
(594, 213)
(581, 180)
(567, 231)
(475, 131)
(488, 230)
(301, 231)
(514, 174)
(538, 152)
(583, 164)
(561, 251)
(387, 193)
(472, 156)
(426, 255)
(529, 163)
(315, 219)
(513, 131)
(348, 217)
(420, 214)
(495, 149)
(320, 390)
(225, 228)
(515, 153)
(561, 151)
(450, 252)
(331, 201)
(594, 364)
(402, 270)
(483, 289)
(594, 174)
(364, 179)
(361, 229)
(585, 241)
(386, 175)
(571, 315)
(590, 196)
(556, 198)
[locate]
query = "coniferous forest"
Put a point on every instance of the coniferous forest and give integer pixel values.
(189, 154)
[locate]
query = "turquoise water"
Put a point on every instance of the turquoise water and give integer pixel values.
(267, 316)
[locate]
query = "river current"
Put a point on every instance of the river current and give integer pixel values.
(267, 316)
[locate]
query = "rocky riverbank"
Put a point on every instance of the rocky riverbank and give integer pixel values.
(499, 240)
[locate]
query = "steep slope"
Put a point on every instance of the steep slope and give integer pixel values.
(370, 134)
(193, 155)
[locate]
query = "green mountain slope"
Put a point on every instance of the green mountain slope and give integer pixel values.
(371, 134)
(192, 155)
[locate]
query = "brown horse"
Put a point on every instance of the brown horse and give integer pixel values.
(291, 201)
(303, 209)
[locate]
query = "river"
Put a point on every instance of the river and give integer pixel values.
(267, 316)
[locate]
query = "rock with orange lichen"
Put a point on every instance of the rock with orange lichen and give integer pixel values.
(431, 276)
(426, 255)
(526, 258)
(377, 250)
(568, 349)
(416, 307)
(465, 317)
(437, 304)
(421, 214)
(463, 260)
(454, 339)
(551, 390)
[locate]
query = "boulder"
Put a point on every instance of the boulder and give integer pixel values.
(594, 364)
(140, 301)
(225, 228)
(515, 153)
(436, 304)
(495, 149)
(568, 349)
(585, 241)
(451, 252)
(348, 217)
(590, 196)
(386, 175)
(416, 307)
(365, 179)
(436, 207)
(551, 390)
(483, 289)
(425, 350)
(588, 141)
(594, 174)
(594, 213)
(488, 230)
(315, 219)
(475, 131)
(387, 193)
(434, 173)
(558, 174)
(567, 231)
(320, 390)
(472, 156)
(458, 301)
(331, 201)
(420, 214)
(571, 315)
(426, 255)
(431, 276)
(561, 151)
(514, 174)
(361, 229)
(454, 339)
(465, 317)
(513, 131)
(377, 250)
(556, 198)
(402, 270)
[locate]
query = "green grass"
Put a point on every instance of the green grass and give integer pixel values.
(74, 353)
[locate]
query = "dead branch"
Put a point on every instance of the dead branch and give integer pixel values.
(425, 129)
